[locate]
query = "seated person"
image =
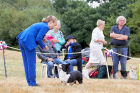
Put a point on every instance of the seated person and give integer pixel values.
(58, 37)
(74, 59)
(47, 58)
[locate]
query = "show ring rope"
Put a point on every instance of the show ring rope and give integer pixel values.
(84, 52)
(107, 53)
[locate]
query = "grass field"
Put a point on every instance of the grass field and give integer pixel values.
(16, 83)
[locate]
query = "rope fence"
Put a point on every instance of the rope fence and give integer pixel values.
(107, 54)
(134, 58)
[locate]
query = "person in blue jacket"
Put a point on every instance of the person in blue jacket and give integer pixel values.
(28, 40)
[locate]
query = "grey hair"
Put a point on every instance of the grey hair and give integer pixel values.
(59, 23)
(100, 22)
(121, 17)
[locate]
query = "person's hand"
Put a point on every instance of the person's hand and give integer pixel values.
(50, 59)
(68, 59)
(58, 57)
(68, 43)
(44, 40)
(115, 36)
(46, 48)
(104, 42)
(55, 40)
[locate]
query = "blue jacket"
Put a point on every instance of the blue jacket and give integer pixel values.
(33, 35)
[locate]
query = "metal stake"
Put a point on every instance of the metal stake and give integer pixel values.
(4, 63)
(107, 68)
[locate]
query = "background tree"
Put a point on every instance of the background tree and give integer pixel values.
(15, 16)
(80, 19)
(134, 24)
(76, 16)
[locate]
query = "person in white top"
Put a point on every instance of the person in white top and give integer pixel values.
(96, 45)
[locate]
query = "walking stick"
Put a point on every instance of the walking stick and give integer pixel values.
(4, 62)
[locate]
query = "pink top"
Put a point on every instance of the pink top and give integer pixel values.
(49, 37)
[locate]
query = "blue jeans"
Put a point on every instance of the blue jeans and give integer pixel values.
(49, 68)
(73, 62)
(58, 61)
(116, 58)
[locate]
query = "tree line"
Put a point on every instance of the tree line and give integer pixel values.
(76, 16)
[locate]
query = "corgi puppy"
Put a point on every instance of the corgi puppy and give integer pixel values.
(72, 77)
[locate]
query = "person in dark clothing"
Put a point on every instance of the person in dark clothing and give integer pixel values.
(74, 59)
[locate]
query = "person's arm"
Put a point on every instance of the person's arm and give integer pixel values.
(95, 37)
(61, 40)
(50, 59)
(42, 56)
(118, 36)
(101, 40)
(67, 44)
(112, 34)
(78, 48)
(122, 37)
(40, 36)
(126, 36)
(39, 54)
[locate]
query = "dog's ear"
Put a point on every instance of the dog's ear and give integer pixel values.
(68, 64)
(67, 67)
(64, 67)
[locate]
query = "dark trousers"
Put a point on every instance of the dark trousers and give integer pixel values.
(29, 61)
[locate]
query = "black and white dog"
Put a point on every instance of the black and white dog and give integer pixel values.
(72, 77)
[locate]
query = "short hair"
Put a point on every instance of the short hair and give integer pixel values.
(120, 17)
(59, 23)
(100, 22)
